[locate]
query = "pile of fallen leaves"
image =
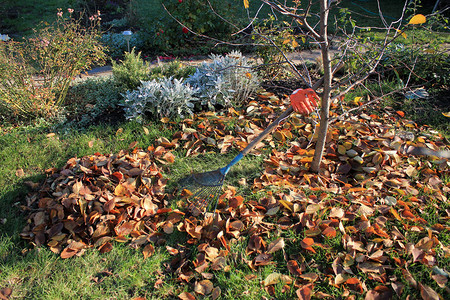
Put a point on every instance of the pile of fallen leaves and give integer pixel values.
(369, 195)
(96, 199)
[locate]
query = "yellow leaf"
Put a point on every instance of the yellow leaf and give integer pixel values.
(402, 33)
(246, 5)
(357, 100)
(447, 114)
(294, 43)
(286, 41)
(287, 204)
(418, 19)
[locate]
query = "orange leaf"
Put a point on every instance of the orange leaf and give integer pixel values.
(106, 247)
(117, 175)
(329, 232)
(400, 113)
(308, 241)
(186, 296)
(304, 293)
(68, 253)
(148, 251)
(408, 214)
(355, 284)
(169, 157)
(293, 268)
(353, 280)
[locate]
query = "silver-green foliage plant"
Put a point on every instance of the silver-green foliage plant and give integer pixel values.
(227, 80)
(165, 98)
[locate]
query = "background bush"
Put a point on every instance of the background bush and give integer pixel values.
(175, 68)
(94, 100)
(132, 70)
(35, 74)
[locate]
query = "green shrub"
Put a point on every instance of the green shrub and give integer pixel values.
(224, 82)
(94, 100)
(132, 70)
(173, 69)
(171, 37)
(35, 74)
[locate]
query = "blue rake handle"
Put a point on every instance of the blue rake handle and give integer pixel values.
(266, 132)
(258, 139)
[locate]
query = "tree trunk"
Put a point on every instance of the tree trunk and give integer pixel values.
(325, 107)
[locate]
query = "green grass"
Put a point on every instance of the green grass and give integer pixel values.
(123, 273)
(21, 16)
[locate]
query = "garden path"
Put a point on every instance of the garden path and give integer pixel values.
(296, 57)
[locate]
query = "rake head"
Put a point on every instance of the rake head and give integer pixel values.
(203, 188)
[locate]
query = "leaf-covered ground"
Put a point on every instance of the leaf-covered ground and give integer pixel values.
(373, 224)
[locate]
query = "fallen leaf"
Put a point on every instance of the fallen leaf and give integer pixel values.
(203, 287)
(428, 293)
(304, 293)
(5, 293)
(329, 232)
(148, 251)
(294, 268)
(186, 296)
(215, 293)
(275, 245)
(441, 280)
(272, 278)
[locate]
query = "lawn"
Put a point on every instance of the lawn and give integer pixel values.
(296, 232)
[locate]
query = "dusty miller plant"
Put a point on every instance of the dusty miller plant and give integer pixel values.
(226, 81)
(165, 98)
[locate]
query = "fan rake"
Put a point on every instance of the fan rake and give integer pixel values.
(203, 189)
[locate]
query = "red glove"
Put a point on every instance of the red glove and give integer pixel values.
(304, 100)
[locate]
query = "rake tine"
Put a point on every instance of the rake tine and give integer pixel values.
(204, 196)
(200, 198)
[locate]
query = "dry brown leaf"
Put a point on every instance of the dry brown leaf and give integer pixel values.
(305, 292)
(215, 293)
(148, 251)
(428, 293)
(294, 268)
(5, 293)
(275, 245)
(186, 296)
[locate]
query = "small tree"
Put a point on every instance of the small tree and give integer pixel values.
(368, 55)
(361, 57)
